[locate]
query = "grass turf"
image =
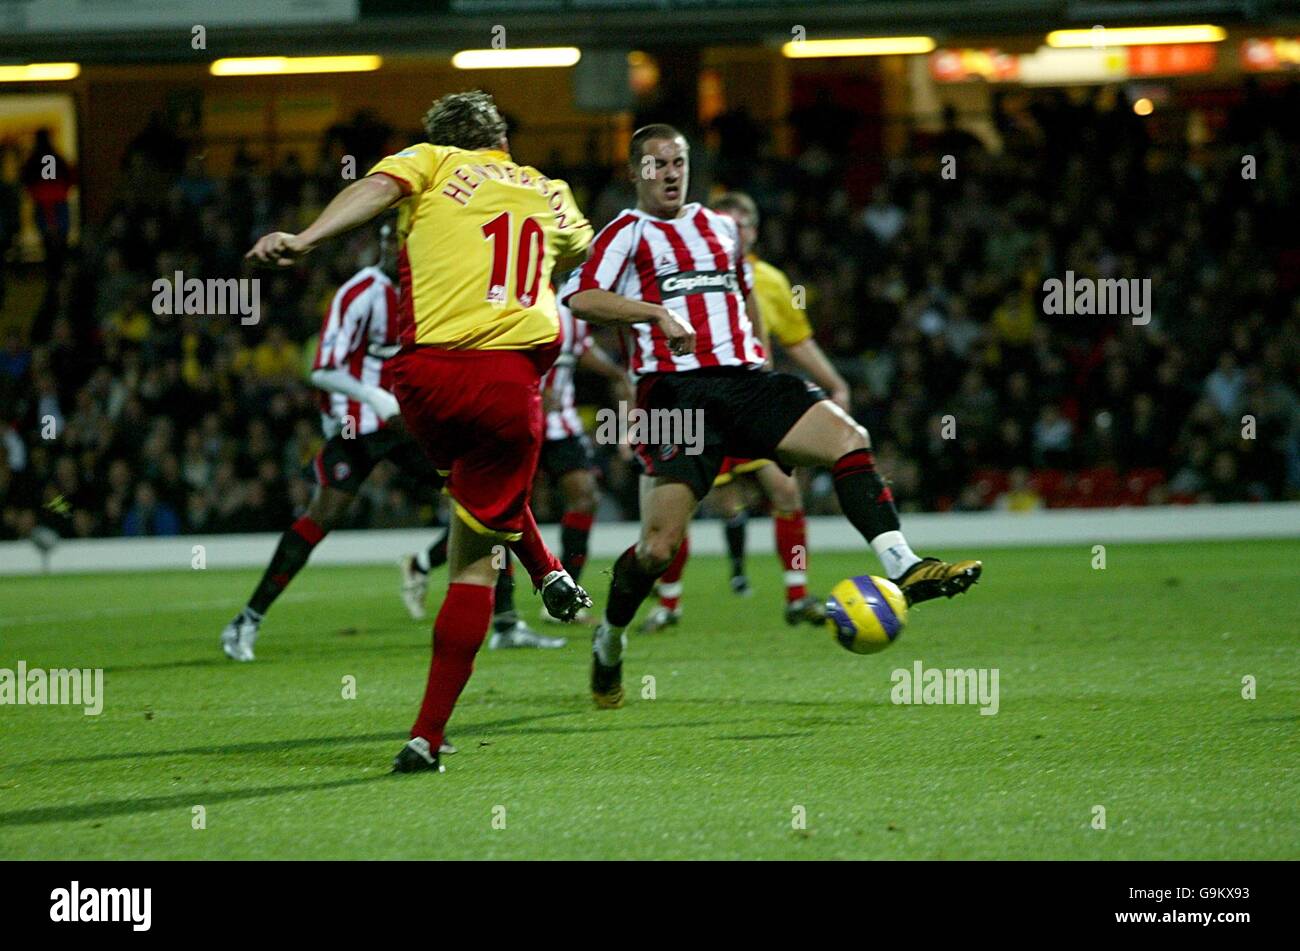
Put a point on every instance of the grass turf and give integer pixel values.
(1119, 688)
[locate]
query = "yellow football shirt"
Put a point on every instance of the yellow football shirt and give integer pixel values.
(787, 324)
(479, 238)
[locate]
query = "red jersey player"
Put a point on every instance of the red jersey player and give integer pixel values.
(567, 459)
(480, 236)
(665, 266)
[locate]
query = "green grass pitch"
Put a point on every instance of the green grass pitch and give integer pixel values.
(1120, 688)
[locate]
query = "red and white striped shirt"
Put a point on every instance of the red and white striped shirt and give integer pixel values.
(693, 264)
(562, 420)
(358, 336)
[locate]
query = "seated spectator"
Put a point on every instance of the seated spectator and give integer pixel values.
(1019, 496)
(1053, 438)
(149, 516)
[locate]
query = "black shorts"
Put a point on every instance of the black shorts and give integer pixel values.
(744, 413)
(560, 456)
(346, 463)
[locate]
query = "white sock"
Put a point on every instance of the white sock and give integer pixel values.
(894, 553)
(609, 643)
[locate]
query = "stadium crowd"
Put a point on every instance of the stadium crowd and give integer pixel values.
(927, 293)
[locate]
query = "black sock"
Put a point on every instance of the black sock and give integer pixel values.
(628, 588)
(735, 532)
(436, 554)
(290, 555)
(503, 614)
(575, 530)
(864, 498)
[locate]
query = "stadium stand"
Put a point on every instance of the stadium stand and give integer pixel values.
(926, 292)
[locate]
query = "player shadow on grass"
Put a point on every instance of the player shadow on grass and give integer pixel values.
(273, 746)
(110, 808)
(317, 653)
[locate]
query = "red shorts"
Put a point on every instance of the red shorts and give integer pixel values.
(477, 414)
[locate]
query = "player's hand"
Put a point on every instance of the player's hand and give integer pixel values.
(679, 334)
(277, 249)
(840, 397)
(384, 404)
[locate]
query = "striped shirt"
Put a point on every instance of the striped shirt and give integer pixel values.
(562, 420)
(357, 337)
(692, 264)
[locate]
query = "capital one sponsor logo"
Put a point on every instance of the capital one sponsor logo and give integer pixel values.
(697, 282)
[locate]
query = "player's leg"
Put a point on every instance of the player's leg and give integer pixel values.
(735, 513)
(578, 488)
(825, 435)
(568, 462)
(325, 512)
(508, 628)
(791, 529)
(669, 590)
(666, 510)
(416, 570)
(458, 633)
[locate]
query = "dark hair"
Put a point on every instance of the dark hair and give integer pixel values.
(738, 201)
(656, 130)
(465, 120)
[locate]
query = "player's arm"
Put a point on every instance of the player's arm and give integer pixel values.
(340, 381)
(614, 310)
(344, 333)
(810, 358)
(756, 319)
(597, 361)
(360, 202)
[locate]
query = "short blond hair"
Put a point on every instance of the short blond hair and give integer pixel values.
(465, 120)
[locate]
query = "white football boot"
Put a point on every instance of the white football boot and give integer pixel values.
(582, 617)
(415, 585)
(521, 635)
(238, 638)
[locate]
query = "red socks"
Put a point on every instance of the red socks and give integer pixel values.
(458, 633)
(792, 549)
(533, 553)
(670, 582)
(308, 530)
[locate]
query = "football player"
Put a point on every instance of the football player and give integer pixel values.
(671, 275)
(788, 324)
(480, 236)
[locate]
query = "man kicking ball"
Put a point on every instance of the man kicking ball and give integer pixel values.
(673, 274)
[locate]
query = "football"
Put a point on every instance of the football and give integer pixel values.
(865, 614)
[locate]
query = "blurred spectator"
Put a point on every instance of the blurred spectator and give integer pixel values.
(1020, 495)
(48, 178)
(926, 293)
(149, 516)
